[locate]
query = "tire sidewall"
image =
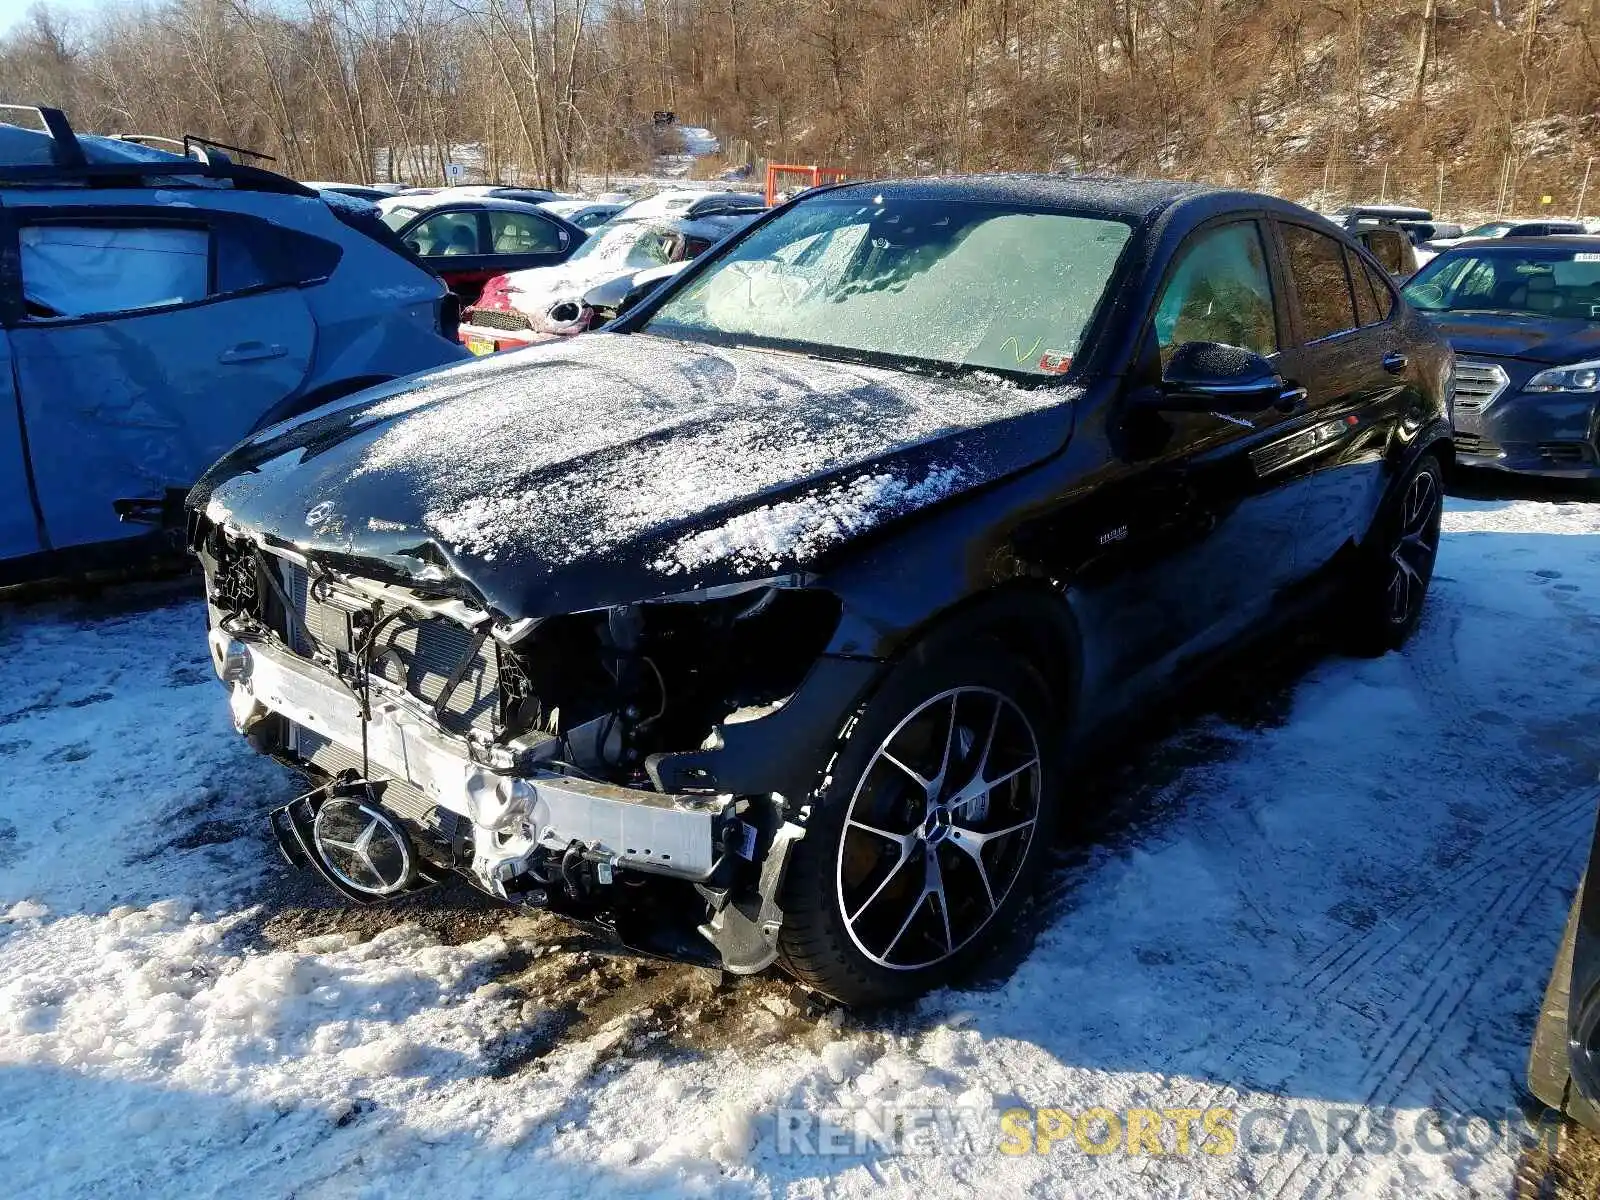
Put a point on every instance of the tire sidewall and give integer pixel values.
(922, 675)
(1428, 463)
(1375, 633)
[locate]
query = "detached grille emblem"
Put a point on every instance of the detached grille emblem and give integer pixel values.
(318, 513)
(362, 846)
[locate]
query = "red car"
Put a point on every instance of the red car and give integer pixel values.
(468, 240)
(535, 305)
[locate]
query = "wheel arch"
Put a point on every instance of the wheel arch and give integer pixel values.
(1026, 616)
(1404, 454)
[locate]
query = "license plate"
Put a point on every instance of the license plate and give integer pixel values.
(480, 346)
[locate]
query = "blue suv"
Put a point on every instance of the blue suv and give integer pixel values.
(156, 308)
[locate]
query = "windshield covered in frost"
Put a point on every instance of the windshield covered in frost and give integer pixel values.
(949, 283)
(634, 244)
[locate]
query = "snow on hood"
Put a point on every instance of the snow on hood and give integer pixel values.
(533, 291)
(617, 467)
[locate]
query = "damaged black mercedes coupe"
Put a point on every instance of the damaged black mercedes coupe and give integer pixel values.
(764, 626)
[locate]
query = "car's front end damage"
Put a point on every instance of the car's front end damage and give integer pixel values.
(599, 670)
(583, 763)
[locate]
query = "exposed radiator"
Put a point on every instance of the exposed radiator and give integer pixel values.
(418, 652)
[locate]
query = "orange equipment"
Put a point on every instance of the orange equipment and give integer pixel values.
(814, 176)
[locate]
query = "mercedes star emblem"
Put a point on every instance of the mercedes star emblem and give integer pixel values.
(362, 846)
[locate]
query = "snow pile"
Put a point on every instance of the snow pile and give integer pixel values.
(1338, 909)
(802, 529)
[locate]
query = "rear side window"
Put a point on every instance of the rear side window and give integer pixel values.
(86, 270)
(449, 233)
(1388, 249)
(1366, 305)
(523, 233)
(1381, 295)
(1316, 263)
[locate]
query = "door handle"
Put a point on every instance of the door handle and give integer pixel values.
(248, 352)
(1291, 400)
(1394, 362)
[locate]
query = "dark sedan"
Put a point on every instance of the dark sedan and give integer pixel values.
(1523, 315)
(763, 627)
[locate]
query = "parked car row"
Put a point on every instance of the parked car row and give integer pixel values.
(1523, 315)
(625, 254)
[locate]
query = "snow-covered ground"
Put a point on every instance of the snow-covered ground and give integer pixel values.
(1336, 897)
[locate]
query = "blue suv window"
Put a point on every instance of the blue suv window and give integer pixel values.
(83, 270)
(110, 261)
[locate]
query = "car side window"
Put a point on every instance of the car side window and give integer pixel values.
(91, 270)
(1316, 264)
(522, 233)
(447, 233)
(1386, 247)
(1382, 295)
(1220, 291)
(1366, 302)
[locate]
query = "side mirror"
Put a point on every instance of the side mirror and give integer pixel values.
(1215, 377)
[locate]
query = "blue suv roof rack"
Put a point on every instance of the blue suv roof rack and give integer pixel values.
(65, 148)
(71, 162)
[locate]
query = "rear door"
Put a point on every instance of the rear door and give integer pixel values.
(151, 340)
(1349, 355)
(522, 240)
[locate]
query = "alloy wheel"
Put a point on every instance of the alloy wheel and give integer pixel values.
(939, 828)
(1415, 547)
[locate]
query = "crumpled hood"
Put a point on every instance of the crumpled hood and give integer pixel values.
(533, 291)
(1506, 335)
(613, 468)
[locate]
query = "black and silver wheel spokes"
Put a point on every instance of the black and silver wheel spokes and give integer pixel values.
(1415, 547)
(938, 828)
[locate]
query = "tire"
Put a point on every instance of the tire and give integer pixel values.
(1390, 582)
(904, 866)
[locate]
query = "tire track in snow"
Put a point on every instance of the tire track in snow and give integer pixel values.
(1398, 1061)
(1447, 925)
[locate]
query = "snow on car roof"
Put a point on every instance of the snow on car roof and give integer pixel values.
(669, 202)
(1112, 196)
(447, 200)
(565, 208)
(21, 146)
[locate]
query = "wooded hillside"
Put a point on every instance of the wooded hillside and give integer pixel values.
(1486, 104)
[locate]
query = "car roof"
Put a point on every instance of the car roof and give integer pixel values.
(1585, 242)
(671, 202)
(713, 225)
(566, 208)
(1395, 211)
(444, 200)
(1118, 198)
(21, 145)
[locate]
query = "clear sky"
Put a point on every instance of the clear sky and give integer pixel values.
(12, 11)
